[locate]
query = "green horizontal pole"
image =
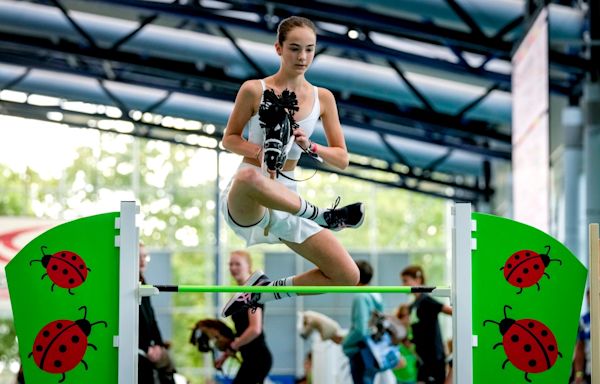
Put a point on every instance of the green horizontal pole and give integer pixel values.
(444, 291)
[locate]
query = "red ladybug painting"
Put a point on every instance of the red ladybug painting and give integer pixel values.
(61, 345)
(525, 268)
(65, 268)
(529, 344)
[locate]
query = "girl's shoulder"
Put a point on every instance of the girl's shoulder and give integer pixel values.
(326, 100)
(252, 86)
(325, 94)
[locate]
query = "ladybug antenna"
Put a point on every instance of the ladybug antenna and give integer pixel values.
(559, 260)
(491, 321)
(546, 258)
(100, 322)
(84, 311)
(506, 306)
(43, 248)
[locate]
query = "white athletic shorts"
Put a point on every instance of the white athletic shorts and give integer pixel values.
(284, 225)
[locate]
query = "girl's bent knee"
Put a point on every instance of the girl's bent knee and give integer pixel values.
(349, 276)
(249, 176)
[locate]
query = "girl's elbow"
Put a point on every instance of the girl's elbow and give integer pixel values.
(256, 332)
(227, 143)
(344, 161)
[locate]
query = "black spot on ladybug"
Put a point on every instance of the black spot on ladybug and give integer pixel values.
(517, 257)
(65, 272)
(509, 266)
(59, 325)
(532, 363)
(46, 334)
(63, 254)
(62, 348)
(527, 347)
(530, 324)
(519, 280)
(57, 363)
(536, 266)
(525, 270)
(81, 266)
(551, 348)
(55, 267)
(75, 339)
(514, 338)
(544, 333)
(71, 281)
(39, 348)
(527, 254)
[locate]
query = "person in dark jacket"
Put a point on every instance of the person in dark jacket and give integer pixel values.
(426, 332)
(154, 362)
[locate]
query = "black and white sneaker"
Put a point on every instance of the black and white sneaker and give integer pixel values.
(245, 300)
(349, 216)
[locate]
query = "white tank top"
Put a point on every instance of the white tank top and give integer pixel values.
(255, 132)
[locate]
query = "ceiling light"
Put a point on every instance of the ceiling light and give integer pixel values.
(353, 34)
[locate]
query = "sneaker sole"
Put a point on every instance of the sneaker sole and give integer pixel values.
(251, 280)
(362, 219)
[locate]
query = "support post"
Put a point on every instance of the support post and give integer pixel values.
(127, 339)
(462, 314)
(595, 301)
(572, 122)
(591, 144)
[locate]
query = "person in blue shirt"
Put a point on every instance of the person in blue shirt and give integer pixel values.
(362, 306)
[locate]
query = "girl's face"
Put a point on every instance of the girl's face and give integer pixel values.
(411, 281)
(239, 267)
(298, 50)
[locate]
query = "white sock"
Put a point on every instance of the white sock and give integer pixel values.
(311, 212)
(270, 296)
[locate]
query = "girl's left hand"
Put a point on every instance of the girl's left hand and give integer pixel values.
(301, 138)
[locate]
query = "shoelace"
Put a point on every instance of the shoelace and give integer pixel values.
(245, 298)
(337, 220)
(336, 203)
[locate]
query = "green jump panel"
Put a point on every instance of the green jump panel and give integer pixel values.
(527, 295)
(64, 292)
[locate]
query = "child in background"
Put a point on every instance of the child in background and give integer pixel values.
(408, 373)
